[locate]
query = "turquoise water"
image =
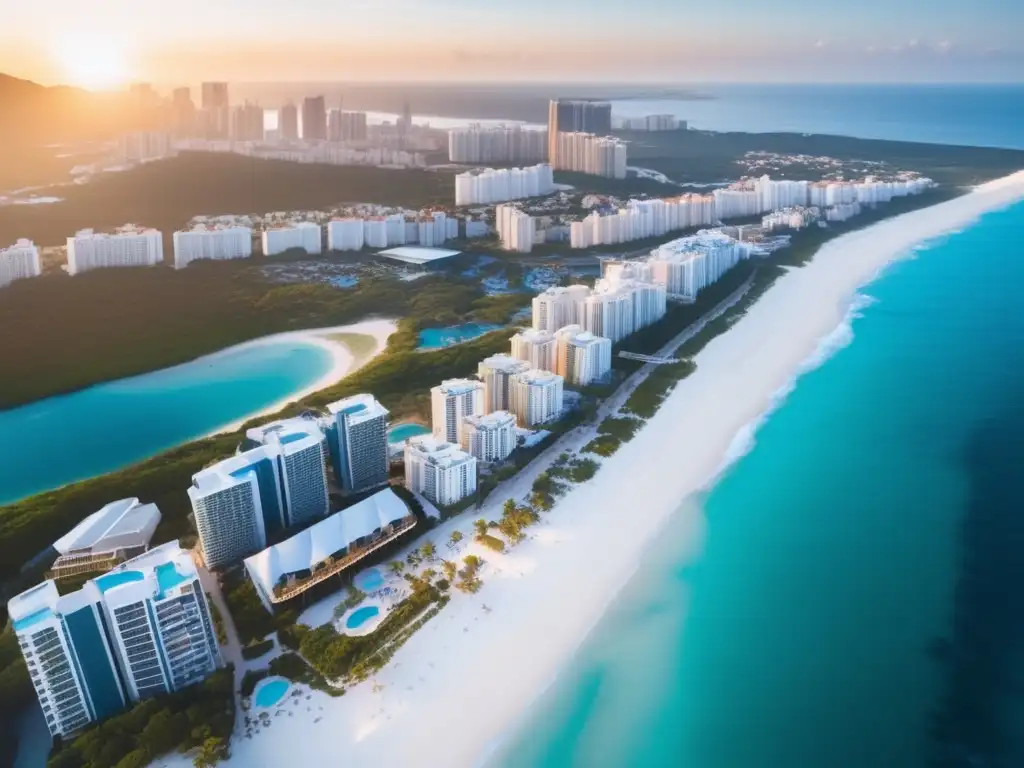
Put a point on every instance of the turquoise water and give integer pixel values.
(804, 634)
(361, 615)
(369, 580)
(439, 338)
(403, 432)
(109, 426)
(117, 579)
(271, 692)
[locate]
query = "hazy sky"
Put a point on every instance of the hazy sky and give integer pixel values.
(650, 40)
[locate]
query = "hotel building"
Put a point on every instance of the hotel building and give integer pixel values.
(587, 153)
(558, 307)
(495, 186)
(491, 437)
(516, 228)
(128, 246)
(357, 436)
(689, 264)
(571, 115)
(304, 235)
(497, 372)
(217, 243)
(19, 261)
(439, 470)
(535, 397)
(610, 313)
(451, 403)
(538, 348)
(323, 550)
(140, 630)
(582, 357)
(502, 144)
(299, 448)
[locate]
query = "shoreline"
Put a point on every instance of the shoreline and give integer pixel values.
(552, 600)
(343, 362)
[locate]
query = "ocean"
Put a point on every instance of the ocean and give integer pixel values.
(974, 115)
(852, 600)
(112, 425)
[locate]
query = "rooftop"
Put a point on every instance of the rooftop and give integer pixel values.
(492, 420)
(359, 408)
(505, 363)
(437, 452)
(418, 254)
(325, 539)
(118, 524)
(457, 386)
(539, 377)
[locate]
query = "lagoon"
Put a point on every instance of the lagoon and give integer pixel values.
(439, 338)
(97, 430)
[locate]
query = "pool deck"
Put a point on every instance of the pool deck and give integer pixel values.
(367, 626)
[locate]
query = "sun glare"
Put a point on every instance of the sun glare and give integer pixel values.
(98, 66)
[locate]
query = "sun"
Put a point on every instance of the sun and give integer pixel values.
(94, 65)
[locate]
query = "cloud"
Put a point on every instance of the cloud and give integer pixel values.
(821, 44)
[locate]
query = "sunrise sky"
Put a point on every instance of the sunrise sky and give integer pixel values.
(110, 42)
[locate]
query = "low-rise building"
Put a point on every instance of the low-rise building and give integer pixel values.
(128, 246)
(19, 261)
(304, 235)
(117, 532)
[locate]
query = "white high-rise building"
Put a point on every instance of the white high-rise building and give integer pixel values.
(610, 313)
(439, 470)
(582, 357)
(345, 235)
(218, 243)
(535, 397)
(558, 307)
(515, 227)
(19, 261)
(538, 348)
(495, 186)
(587, 153)
(303, 234)
(144, 628)
(491, 437)
(144, 146)
(299, 447)
(689, 264)
(501, 144)
(496, 372)
(357, 435)
(128, 246)
(451, 403)
(641, 219)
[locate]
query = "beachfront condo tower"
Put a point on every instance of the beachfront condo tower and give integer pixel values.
(535, 397)
(140, 630)
(496, 373)
(451, 403)
(582, 356)
(299, 447)
(228, 501)
(538, 348)
(357, 435)
(441, 471)
(558, 307)
(491, 437)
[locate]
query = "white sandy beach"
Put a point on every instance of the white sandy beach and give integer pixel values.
(463, 682)
(342, 360)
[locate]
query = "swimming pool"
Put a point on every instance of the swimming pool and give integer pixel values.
(360, 616)
(269, 692)
(439, 338)
(403, 432)
(369, 580)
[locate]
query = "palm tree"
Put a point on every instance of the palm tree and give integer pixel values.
(481, 527)
(449, 569)
(428, 550)
(456, 537)
(396, 566)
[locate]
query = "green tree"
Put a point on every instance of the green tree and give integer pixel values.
(456, 537)
(481, 527)
(396, 566)
(212, 751)
(428, 551)
(137, 758)
(449, 569)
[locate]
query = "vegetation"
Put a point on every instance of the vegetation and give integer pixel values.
(201, 717)
(256, 650)
(253, 622)
(469, 581)
(218, 621)
(491, 542)
(16, 693)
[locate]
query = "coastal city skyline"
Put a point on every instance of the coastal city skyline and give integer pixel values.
(315, 41)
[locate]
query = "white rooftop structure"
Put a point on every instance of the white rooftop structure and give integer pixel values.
(363, 524)
(358, 408)
(119, 525)
(418, 254)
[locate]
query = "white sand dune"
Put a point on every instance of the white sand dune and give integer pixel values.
(464, 681)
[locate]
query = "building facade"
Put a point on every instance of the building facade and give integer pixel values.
(299, 447)
(19, 261)
(314, 118)
(582, 357)
(535, 397)
(217, 243)
(538, 348)
(227, 504)
(304, 235)
(140, 630)
(128, 246)
(480, 187)
(451, 403)
(558, 307)
(357, 436)
(439, 470)
(491, 437)
(496, 373)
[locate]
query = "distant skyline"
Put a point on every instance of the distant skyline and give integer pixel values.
(66, 41)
